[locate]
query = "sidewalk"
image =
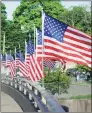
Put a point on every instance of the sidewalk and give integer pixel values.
(8, 104)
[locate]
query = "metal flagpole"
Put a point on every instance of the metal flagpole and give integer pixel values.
(36, 42)
(6, 58)
(15, 61)
(6, 64)
(25, 51)
(19, 46)
(10, 52)
(0, 59)
(43, 45)
(4, 43)
(35, 51)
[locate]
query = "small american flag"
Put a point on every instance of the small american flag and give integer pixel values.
(65, 42)
(21, 63)
(35, 69)
(3, 60)
(10, 64)
(47, 62)
(17, 60)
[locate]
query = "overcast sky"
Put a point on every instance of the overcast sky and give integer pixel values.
(11, 5)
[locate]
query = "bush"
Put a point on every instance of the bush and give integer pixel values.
(57, 82)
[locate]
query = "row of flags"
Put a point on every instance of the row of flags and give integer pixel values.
(56, 41)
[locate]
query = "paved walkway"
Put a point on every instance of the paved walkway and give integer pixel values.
(76, 90)
(8, 104)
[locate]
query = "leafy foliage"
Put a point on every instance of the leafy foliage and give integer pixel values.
(82, 68)
(3, 17)
(57, 81)
(29, 13)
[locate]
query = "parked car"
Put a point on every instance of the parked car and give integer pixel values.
(71, 71)
(82, 77)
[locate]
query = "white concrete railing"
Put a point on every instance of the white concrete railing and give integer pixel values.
(41, 99)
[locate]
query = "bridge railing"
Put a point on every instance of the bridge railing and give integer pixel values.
(42, 100)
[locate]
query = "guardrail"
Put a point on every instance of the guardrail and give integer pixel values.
(42, 100)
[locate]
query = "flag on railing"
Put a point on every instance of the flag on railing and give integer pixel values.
(63, 41)
(3, 60)
(47, 60)
(21, 63)
(17, 60)
(10, 64)
(35, 69)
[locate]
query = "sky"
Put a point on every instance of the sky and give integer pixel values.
(11, 5)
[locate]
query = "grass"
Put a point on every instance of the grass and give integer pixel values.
(84, 83)
(89, 96)
(82, 97)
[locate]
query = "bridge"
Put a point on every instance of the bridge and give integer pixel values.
(31, 97)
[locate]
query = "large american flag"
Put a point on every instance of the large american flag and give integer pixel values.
(21, 64)
(10, 64)
(47, 62)
(35, 68)
(63, 41)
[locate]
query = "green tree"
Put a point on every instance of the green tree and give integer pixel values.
(80, 18)
(29, 12)
(82, 68)
(3, 21)
(3, 17)
(14, 37)
(57, 82)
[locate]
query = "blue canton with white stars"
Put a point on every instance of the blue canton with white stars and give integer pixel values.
(54, 28)
(10, 57)
(30, 48)
(39, 35)
(20, 56)
(3, 58)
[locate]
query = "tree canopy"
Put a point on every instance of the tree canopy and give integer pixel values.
(28, 13)
(3, 16)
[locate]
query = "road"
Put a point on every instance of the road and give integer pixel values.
(8, 104)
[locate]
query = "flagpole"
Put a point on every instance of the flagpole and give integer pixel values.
(42, 45)
(10, 52)
(19, 46)
(34, 50)
(6, 58)
(25, 50)
(15, 61)
(34, 37)
(36, 42)
(4, 43)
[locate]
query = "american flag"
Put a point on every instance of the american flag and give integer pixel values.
(63, 41)
(21, 63)
(17, 60)
(10, 64)
(47, 62)
(35, 68)
(63, 64)
(3, 60)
